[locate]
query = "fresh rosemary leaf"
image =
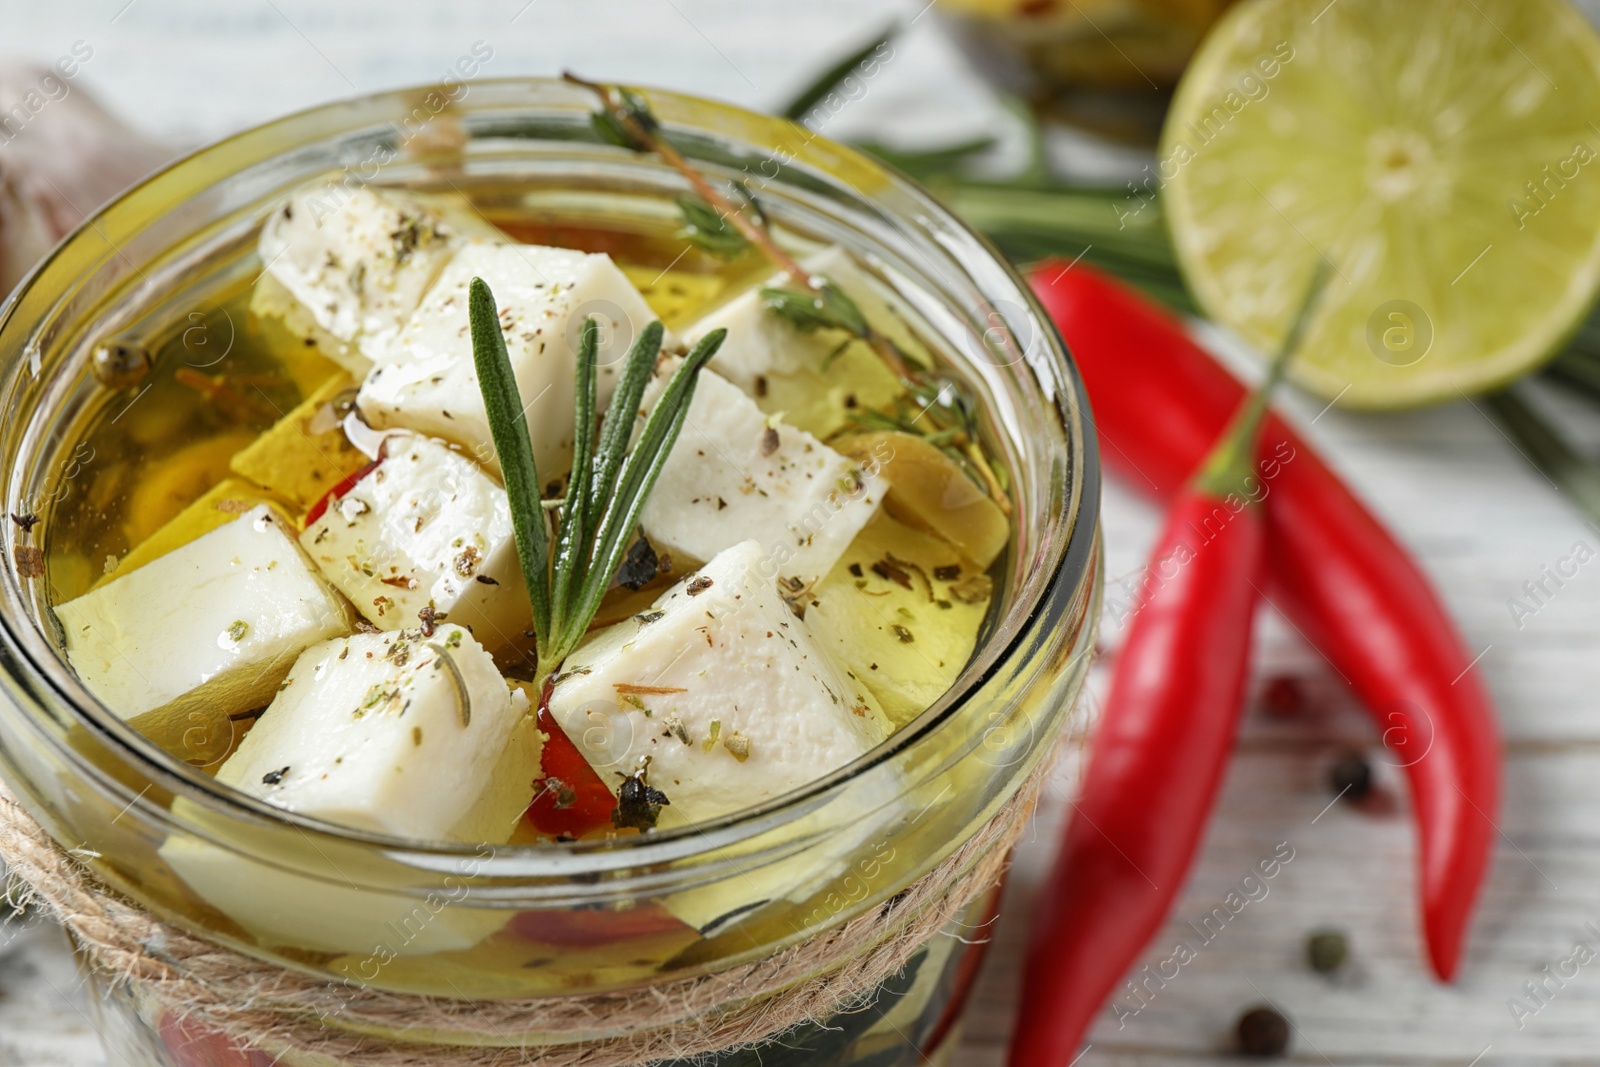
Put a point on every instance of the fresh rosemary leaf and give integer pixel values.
(637, 367)
(828, 308)
(1579, 367)
(1036, 171)
(640, 470)
(509, 428)
(801, 104)
(1548, 450)
(609, 483)
(925, 163)
(709, 231)
(574, 524)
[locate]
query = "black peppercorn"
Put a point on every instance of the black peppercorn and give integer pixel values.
(1283, 697)
(1351, 776)
(1326, 951)
(638, 802)
(119, 365)
(1263, 1032)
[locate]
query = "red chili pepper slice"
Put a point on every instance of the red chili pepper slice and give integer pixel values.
(591, 928)
(957, 990)
(1340, 576)
(570, 799)
(192, 1045)
(340, 488)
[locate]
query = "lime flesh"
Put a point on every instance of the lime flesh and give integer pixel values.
(1443, 156)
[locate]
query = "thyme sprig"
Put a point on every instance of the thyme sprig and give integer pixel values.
(625, 119)
(950, 432)
(809, 301)
(568, 570)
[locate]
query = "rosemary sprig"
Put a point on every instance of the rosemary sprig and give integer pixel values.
(1579, 366)
(609, 483)
(926, 163)
(1548, 450)
(813, 94)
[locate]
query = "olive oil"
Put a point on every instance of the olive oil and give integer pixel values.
(155, 471)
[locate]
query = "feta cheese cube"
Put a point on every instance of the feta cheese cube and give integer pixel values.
(205, 631)
(398, 733)
(429, 383)
(735, 474)
(306, 452)
(319, 898)
(425, 527)
(394, 732)
(221, 504)
(357, 263)
(723, 687)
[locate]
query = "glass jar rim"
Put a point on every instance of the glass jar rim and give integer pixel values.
(1070, 562)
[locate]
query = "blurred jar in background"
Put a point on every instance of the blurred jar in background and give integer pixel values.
(1107, 66)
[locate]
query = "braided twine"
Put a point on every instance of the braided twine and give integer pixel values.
(261, 1004)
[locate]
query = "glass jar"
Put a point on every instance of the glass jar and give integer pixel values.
(1106, 66)
(522, 921)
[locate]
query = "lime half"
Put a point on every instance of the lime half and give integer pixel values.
(1442, 155)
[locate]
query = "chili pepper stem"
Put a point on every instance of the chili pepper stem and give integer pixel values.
(1230, 468)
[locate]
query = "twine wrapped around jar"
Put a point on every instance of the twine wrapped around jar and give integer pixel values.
(261, 1004)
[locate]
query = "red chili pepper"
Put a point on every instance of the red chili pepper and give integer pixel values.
(1158, 753)
(954, 993)
(193, 1045)
(570, 799)
(591, 928)
(1337, 573)
(340, 488)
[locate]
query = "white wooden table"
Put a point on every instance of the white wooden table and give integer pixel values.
(1452, 487)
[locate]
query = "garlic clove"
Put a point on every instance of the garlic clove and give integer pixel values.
(62, 155)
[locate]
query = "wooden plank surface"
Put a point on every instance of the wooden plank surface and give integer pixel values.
(1448, 482)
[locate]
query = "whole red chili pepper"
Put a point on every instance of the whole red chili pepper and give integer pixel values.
(1158, 752)
(1333, 569)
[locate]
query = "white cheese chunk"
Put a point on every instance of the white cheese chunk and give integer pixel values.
(429, 383)
(356, 264)
(341, 904)
(734, 474)
(393, 732)
(722, 687)
(370, 732)
(205, 631)
(762, 344)
(425, 527)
